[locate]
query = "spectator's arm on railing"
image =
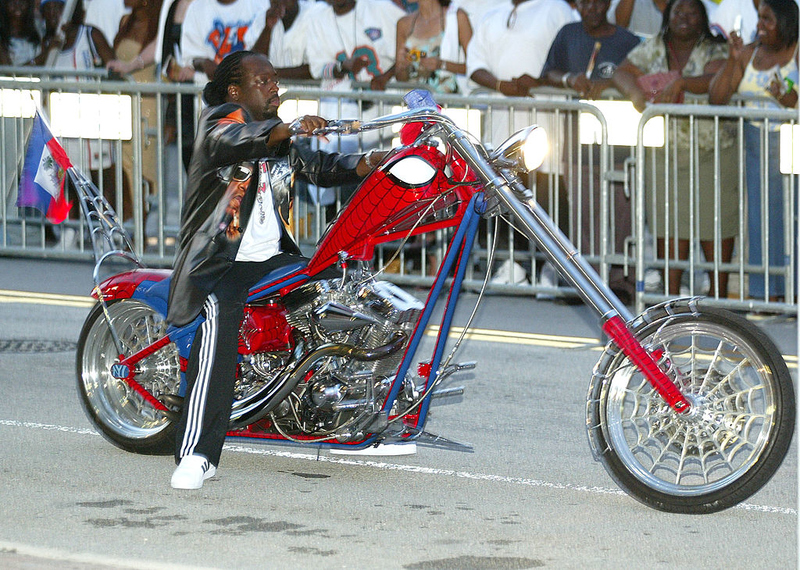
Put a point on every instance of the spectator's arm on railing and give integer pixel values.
(625, 80)
(517, 87)
(146, 57)
(205, 65)
(379, 82)
(104, 50)
(299, 72)
(576, 81)
(786, 97)
(700, 84)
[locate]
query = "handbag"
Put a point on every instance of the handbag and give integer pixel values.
(653, 83)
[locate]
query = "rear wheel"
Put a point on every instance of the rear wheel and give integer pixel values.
(738, 430)
(120, 413)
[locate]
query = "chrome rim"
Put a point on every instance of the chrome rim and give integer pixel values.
(113, 402)
(720, 439)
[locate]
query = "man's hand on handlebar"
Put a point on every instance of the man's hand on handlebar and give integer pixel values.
(307, 125)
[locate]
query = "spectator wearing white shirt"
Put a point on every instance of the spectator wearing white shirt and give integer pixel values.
(105, 15)
(212, 30)
(507, 53)
(724, 18)
(281, 32)
(642, 17)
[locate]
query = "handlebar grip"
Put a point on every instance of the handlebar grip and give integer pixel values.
(340, 127)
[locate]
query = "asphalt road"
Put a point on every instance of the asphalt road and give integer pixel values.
(528, 496)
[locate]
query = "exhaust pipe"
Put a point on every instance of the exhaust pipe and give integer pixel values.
(280, 388)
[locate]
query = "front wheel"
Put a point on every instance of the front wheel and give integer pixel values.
(737, 432)
(120, 413)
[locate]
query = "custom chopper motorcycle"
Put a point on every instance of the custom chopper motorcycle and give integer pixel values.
(691, 409)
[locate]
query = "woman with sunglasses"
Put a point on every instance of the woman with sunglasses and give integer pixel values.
(232, 234)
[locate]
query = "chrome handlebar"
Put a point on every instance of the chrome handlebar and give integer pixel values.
(354, 126)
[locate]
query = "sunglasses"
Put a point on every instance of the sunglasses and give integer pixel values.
(237, 172)
(242, 173)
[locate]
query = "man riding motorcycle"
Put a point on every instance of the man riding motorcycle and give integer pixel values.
(232, 234)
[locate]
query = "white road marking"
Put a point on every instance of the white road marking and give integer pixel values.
(234, 448)
(60, 556)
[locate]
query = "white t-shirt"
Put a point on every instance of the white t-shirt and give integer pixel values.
(82, 55)
(725, 14)
(512, 42)
(262, 236)
(287, 48)
(475, 9)
(105, 16)
(370, 29)
(645, 21)
(212, 30)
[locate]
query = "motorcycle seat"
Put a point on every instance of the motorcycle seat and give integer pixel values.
(276, 275)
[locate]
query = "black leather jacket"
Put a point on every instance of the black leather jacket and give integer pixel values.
(228, 136)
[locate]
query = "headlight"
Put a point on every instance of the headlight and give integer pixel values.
(525, 150)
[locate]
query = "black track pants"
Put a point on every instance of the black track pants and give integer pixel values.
(211, 369)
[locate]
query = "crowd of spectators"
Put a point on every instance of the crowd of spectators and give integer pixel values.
(650, 50)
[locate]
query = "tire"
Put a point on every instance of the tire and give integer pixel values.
(728, 445)
(121, 415)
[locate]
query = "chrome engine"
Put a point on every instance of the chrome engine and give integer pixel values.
(374, 318)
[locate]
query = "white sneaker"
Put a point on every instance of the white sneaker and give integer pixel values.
(547, 278)
(653, 282)
(702, 284)
(509, 273)
(192, 471)
(69, 237)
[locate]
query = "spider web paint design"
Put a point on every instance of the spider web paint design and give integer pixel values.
(381, 202)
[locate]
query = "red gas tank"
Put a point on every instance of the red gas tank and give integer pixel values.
(414, 191)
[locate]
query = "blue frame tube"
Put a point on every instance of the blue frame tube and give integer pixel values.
(459, 250)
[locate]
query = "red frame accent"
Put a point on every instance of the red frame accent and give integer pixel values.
(616, 328)
(132, 360)
(264, 328)
(144, 393)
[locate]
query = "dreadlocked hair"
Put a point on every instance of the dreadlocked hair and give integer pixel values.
(229, 72)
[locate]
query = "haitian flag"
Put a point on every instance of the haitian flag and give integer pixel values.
(43, 174)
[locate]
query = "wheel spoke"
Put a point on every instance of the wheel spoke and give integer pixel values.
(113, 403)
(719, 440)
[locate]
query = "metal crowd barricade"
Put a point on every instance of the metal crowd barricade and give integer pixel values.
(579, 171)
(593, 185)
(648, 160)
(582, 171)
(150, 201)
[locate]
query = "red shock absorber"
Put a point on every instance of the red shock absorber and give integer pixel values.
(615, 328)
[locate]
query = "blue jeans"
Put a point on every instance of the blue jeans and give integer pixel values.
(776, 256)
